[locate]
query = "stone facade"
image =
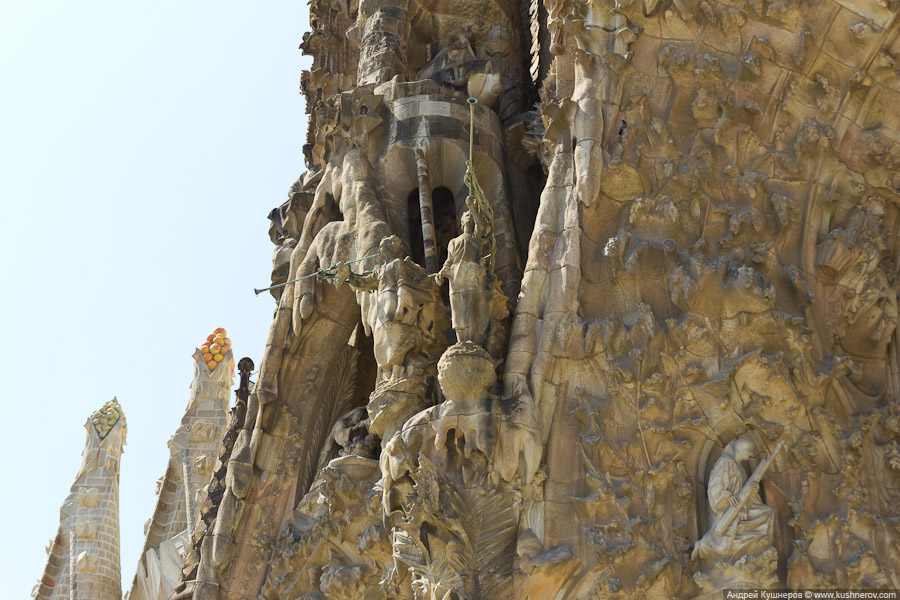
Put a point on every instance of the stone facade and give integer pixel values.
(83, 558)
(670, 361)
(193, 451)
(664, 362)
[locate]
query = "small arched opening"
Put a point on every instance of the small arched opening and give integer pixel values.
(444, 220)
(445, 225)
(416, 239)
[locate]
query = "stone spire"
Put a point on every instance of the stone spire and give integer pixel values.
(83, 561)
(192, 453)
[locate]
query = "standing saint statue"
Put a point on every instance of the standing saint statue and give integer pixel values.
(751, 532)
(469, 287)
(402, 317)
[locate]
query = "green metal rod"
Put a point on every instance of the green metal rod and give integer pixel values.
(320, 273)
(472, 102)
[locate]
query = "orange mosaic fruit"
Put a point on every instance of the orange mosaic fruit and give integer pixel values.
(214, 349)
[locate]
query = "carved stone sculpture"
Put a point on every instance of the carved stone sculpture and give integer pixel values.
(751, 532)
(403, 316)
(705, 201)
(682, 235)
(469, 289)
(450, 65)
(741, 538)
(481, 74)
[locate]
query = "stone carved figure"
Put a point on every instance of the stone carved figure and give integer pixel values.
(350, 437)
(859, 302)
(458, 65)
(469, 290)
(751, 532)
(403, 315)
(450, 65)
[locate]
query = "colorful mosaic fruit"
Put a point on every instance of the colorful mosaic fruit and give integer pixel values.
(215, 348)
(107, 417)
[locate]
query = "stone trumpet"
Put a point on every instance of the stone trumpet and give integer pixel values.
(319, 273)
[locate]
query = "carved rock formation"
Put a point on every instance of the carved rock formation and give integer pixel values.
(666, 359)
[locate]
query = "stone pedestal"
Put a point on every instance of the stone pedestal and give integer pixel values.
(748, 572)
(393, 402)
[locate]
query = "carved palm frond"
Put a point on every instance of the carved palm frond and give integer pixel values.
(341, 388)
(482, 550)
(416, 552)
(466, 545)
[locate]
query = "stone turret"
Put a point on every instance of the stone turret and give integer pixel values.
(83, 561)
(192, 453)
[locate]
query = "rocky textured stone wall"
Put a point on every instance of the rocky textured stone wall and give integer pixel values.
(686, 287)
(688, 379)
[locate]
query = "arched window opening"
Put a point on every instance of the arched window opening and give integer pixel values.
(414, 216)
(445, 226)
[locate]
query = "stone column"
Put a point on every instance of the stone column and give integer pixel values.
(385, 33)
(426, 208)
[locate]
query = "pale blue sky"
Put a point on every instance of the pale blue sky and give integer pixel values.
(141, 147)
